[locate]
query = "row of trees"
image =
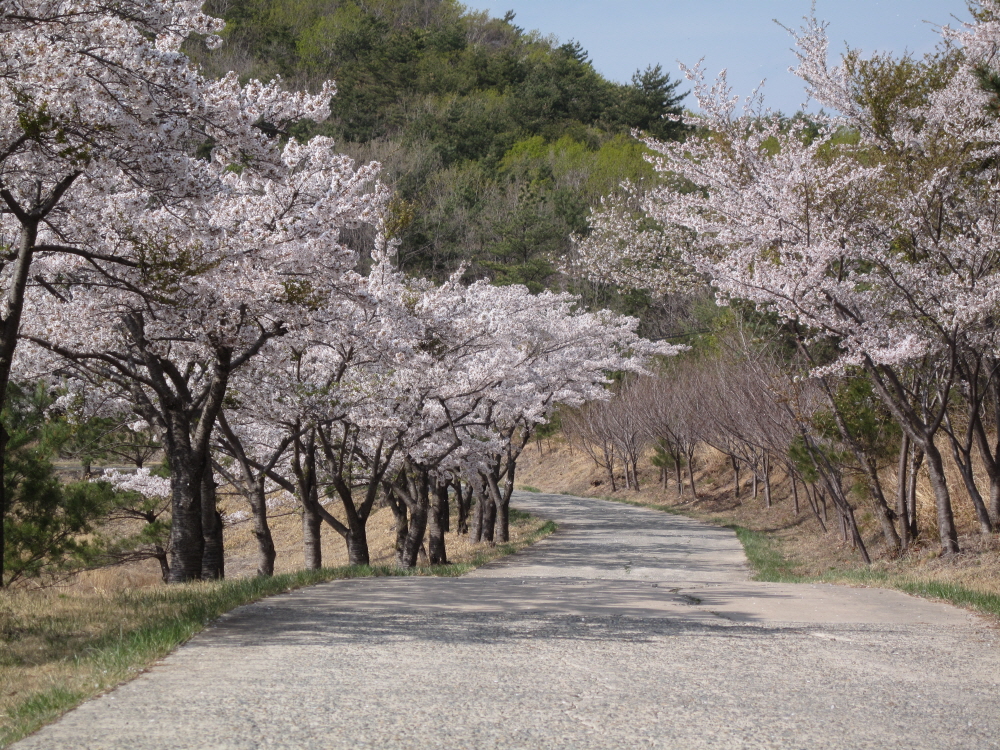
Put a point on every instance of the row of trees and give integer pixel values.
(871, 237)
(170, 253)
(828, 441)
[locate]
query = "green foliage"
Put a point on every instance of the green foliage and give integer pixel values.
(45, 519)
(89, 439)
(765, 556)
(497, 142)
(805, 458)
(865, 416)
(886, 85)
(550, 428)
(663, 457)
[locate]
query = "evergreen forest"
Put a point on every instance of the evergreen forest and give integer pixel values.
(497, 141)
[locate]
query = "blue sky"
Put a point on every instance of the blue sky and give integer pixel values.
(740, 35)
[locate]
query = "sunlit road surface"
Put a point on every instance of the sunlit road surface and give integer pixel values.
(628, 628)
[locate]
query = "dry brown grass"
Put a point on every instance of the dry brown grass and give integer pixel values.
(45, 632)
(286, 527)
(559, 468)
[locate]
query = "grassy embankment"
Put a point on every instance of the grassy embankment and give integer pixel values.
(784, 546)
(770, 564)
(63, 645)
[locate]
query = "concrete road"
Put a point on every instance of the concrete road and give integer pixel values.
(628, 628)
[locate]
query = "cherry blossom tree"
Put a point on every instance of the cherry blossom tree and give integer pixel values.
(875, 227)
(195, 292)
(97, 100)
(410, 386)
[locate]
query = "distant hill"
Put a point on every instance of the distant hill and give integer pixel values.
(497, 140)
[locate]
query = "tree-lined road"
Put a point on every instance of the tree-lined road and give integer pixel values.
(628, 628)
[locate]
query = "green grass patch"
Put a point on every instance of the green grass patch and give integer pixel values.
(770, 564)
(528, 488)
(960, 596)
(171, 615)
(765, 556)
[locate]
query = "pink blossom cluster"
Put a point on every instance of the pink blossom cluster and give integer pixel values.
(879, 231)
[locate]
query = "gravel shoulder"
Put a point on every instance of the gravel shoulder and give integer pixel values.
(628, 628)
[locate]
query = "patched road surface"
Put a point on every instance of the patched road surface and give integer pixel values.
(628, 628)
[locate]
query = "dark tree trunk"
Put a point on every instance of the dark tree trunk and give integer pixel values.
(304, 467)
(690, 463)
(10, 324)
(161, 557)
(463, 499)
(503, 521)
(340, 457)
(417, 503)
(902, 508)
(882, 510)
(357, 547)
(355, 532)
(446, 509)
(401, 515)
(213, 563)
(609, 462)
(501, 510)
(867, 464)
(187, 541)
(962, 454)
(814, 506)
(982, 385)
(437, 524)
(830, 475)
(479, 517)
(266, 553)
(736, 471)
(795, 493)
(187, 441)
(312, 542)
(991, 454)
(252, 486)
(947, 533)
(921, 430)
(489, 515)
(858, 543)
(916, 461)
